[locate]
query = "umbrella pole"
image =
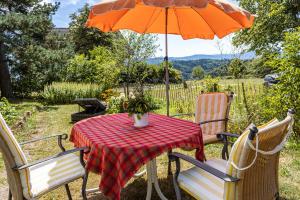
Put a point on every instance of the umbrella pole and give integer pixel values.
(167, 80)
(167, 64)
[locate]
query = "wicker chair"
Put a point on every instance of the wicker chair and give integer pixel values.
(212, 113)
(32, 180)
(250, 173)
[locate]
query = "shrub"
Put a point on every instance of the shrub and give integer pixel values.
(211, 84)
(9, 113)
(107, 94)
(116, 104)
(120, 104)
(285, 94)
(66, 92)
(99, 67)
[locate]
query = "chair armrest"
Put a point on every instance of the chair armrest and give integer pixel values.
(60, 137)
(183, 114)
(227, 178)
(221, 135)
(81, 150)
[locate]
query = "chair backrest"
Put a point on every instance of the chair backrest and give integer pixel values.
(213, 106)
(259, 178)
(9, 139)
(13, 156)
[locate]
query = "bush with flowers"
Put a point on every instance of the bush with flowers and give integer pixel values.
(116, 104)
(135, 103)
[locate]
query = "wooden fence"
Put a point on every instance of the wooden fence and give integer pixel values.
(184, 96)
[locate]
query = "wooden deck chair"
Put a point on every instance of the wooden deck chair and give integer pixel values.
(212, 113)
(32, 180)
(250, 173)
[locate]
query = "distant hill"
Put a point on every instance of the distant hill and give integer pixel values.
(245, 56)
(210, 63)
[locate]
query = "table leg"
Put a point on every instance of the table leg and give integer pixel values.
(152, 179)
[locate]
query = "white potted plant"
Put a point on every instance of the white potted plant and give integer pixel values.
(139, 106)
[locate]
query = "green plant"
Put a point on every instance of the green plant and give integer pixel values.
(140, 104)
(9, 112)
(66, 92)
(284, 95)
(116, 104)
(107, 94)
(99, 67)
(198, 73)
(211, 84)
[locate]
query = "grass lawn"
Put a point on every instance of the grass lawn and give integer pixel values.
(56, 119)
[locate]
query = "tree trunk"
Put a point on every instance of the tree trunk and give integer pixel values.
(5, 81)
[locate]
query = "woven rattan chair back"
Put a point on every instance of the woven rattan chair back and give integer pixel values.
(260, 181)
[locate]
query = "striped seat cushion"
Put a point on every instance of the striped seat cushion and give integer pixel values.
(208, 139)
(201, 184)
(211, 106)
(50, 174)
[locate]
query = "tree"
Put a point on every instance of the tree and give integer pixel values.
(198, 73)
(84, 38)
(41, 64)
(99, 67)
(175, 76)
(273, 20)
(132, 49)
(23, 25)
(285, 94)
(236, 68)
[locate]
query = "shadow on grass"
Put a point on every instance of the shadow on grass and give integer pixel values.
(46, 108)
(137, 190)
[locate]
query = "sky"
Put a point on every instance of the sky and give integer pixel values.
(177, 46)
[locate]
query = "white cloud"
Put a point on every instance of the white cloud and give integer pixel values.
(92, 2)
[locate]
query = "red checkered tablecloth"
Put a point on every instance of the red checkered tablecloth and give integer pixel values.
(118, 150)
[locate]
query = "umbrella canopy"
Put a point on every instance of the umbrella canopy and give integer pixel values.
(188, 18)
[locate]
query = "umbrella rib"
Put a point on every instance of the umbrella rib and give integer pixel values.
(119, 19)
(150, 24)
(223, 11)
(178, 24)
(210, 27)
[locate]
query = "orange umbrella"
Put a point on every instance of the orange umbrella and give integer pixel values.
(188, 18)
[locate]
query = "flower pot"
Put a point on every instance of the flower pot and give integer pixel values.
(140, 120)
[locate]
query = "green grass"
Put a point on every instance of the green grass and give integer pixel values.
(53, 119)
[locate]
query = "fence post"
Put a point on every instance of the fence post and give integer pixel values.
(245, 102)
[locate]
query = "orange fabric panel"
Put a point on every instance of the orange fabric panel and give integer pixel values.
(190, 19)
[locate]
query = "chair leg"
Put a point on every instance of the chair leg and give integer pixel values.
(175, 183)
(225, 153)
(9, 195)
(68, 192)
(169, 166)
(277, 196)
(84, 183)
(177, 190)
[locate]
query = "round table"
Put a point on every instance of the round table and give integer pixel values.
(118, 149)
